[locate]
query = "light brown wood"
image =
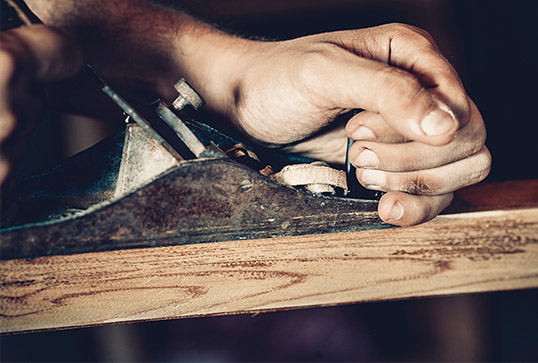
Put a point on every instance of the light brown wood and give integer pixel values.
(456, 253)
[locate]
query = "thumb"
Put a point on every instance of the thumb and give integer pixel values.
(397, 95)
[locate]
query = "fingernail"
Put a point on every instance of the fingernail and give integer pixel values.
(438, 122)
(373, 178)
(396, 212)
(363, 133)
(367, 159)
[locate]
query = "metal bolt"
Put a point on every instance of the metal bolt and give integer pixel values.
(245, 185)
(187, 96)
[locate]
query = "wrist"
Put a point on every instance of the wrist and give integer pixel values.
(213, 62)
(142, 49)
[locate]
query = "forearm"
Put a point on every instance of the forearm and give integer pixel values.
(144, 48)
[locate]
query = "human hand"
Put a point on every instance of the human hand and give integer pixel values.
(30, 58)
(285, 93)
(419, 138)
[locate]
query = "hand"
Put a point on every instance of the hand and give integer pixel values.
(420, 137)
(418, 120)
(30, 57)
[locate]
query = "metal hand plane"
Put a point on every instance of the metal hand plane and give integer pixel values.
(169, 179)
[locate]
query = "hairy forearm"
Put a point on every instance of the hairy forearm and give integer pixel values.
(280, 93)
(145, 48)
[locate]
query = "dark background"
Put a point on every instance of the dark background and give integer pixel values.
(493, 45)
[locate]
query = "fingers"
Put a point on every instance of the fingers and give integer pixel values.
(440, 180)
(403, 209)
(41, 53)
(370, 126)
(410, 109)
(414, 50)
(399, 75)
(419, 178)
(29, 57)
(397, 96)
(409, 156)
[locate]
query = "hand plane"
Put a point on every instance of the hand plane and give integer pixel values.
(170, 179)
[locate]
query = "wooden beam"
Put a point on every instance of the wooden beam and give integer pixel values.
(454, 253)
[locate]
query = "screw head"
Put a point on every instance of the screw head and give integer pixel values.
(187, 96)
(245, 185)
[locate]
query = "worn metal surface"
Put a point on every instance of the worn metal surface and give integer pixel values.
(142, 160)
(162, 199)
(84, 180)
(185, 205)
(73, 209)
(185, 134)
(133, 114)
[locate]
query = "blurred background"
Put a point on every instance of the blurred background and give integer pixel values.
(493, 46)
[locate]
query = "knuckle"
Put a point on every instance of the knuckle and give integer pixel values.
(469, 145)
(479, 138)
(471, 137)
(479, 128)
(400, 28)
(421, 184)
(396, 87)
(462, 106)
(411, 32)
(482, 166)
(408, 161)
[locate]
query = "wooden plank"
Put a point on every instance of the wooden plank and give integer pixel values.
(458, 253)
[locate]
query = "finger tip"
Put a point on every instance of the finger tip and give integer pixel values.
(391, 210)
(405, 210)
(362, 133)
(439, 122)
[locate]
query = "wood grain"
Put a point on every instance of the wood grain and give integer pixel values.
(455, 253)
